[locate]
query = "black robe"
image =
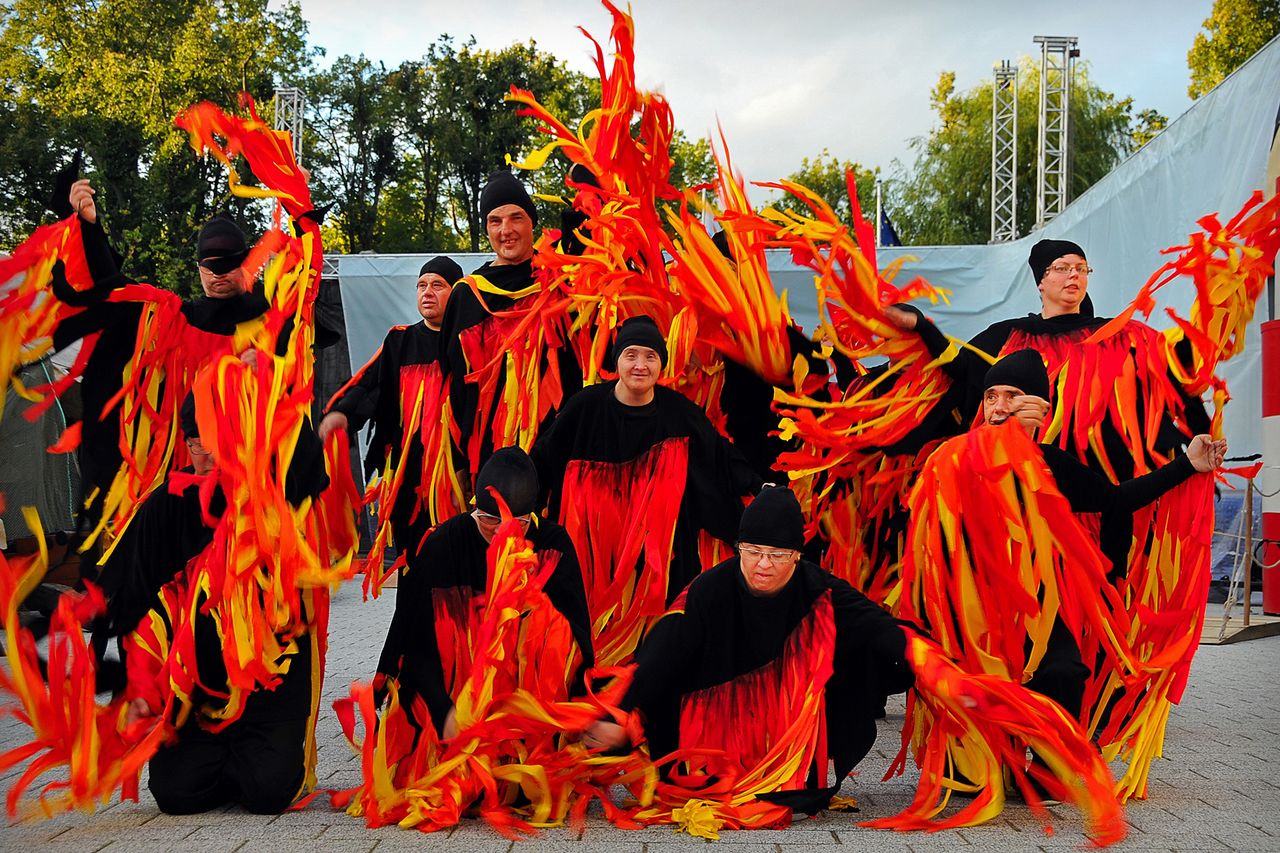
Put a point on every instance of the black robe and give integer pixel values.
(116, 323)
(720, 633)
(373, 396)
(453, 565)
(473, 442)
(599, 432)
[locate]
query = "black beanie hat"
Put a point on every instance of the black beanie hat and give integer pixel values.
(221, 246)
(773, 520)
(504, 188)
(1046, 252)
(640, 330)
(1023, 370)
(511, 472)
(443, 266)
(580, 174)
(187, 417)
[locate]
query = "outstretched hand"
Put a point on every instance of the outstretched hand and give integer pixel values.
(604, 735)
(904, 320)
(1206, 454)
(82, 200)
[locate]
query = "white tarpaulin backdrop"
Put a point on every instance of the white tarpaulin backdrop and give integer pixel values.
(1209, 160)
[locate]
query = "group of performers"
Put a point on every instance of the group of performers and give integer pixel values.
(647, 531)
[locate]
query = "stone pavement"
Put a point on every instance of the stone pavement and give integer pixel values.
(1219, 788)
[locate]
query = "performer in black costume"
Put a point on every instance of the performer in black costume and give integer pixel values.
(646, 452)
(381, 392)
(472, 330)
(258, 761)
(737, 620)
(452, 569)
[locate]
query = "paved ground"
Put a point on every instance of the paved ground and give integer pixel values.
(1219, 788)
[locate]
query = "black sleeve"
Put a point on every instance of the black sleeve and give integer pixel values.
(719, 477)
(1088, 491)
(568, 595)
(866, 632)
(550, 454)
(412, 635)
(665, 653)
(358, 399)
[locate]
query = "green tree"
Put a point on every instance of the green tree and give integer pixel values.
(352, 124)
(945, 198)
(825, 175)
(1146, 125)
(1234, 31)
(108, 76)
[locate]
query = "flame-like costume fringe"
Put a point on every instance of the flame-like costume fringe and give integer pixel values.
(991, 721)
(722, 765)
(508, 659)
(265, 577)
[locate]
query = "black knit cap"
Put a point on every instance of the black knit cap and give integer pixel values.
(721, 241)
(640, 330)
(187, 417)
(504, 188)
(511, 472)
(443, 266)
(1044, 253)
(221, 246)
(773, 520)
(1023, 369)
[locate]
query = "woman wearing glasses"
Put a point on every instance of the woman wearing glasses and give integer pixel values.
(1097, 386)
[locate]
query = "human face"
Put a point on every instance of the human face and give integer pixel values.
(222, 285)
(488, 524)
(510, 233)
(638, 371)
(433, 295)
(766, 570)
(201, 459)
(998, 404)
(1064, 286)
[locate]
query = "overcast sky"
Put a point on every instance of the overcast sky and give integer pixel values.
(788, 78)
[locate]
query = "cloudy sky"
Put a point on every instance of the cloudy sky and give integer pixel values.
(788, 78)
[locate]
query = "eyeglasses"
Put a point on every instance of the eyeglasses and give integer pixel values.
(774, 556)
(1065, 269)
(491, 520)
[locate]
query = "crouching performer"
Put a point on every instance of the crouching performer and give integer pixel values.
(489, 641)
(766, 670)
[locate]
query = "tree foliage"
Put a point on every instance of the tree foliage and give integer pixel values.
(1234, 31)
(946, 196)
(825, 175)
(108, 76)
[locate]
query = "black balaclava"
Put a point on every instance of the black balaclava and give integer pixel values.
(187, 417)
(1023, 369)
(221, 246)
(1044, 253)
(511, 472)
(640, 330)
(443, 266)
(505, 188)
(773, 520)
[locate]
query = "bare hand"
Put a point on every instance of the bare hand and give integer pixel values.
(450, 724)
(331, 422)
(904, 320)
(250, 357)
(139, 709)
(604, 735)
(1206, 454)
(82, 200)
(1030, 411)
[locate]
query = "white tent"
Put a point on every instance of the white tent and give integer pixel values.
(1209, 160)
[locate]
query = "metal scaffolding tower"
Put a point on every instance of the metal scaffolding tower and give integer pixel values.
(1004, 154)
(290, 106)
(1053, 167)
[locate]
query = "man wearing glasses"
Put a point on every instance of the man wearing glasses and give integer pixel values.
(446, 578)
(723, 670)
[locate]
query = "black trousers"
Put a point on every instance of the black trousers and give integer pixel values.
(256, 765)
(1062, 674)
